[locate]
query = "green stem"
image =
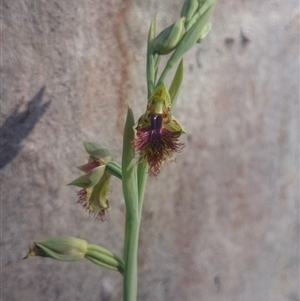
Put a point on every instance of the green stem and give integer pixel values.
(142, 176)
(132, 223)
(132, 226)
(130, 271)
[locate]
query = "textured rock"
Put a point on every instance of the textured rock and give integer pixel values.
(220, 224)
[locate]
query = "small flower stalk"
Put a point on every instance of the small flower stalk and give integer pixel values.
(157, 132)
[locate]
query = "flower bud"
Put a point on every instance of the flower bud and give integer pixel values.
(205, 31)
(188, 9)
(169, 38)
(203, 7)
(62, 248)
(71, 248)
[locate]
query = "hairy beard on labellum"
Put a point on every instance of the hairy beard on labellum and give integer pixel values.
(157, 144)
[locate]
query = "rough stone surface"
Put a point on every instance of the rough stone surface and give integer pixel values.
(220, 224)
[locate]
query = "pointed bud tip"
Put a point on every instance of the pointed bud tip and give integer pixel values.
(33, 251)
(170, 37)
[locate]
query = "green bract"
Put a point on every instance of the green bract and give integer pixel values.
(176, 83)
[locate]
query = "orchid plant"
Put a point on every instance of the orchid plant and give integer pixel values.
(148, 144)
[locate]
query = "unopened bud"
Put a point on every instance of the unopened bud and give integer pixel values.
(205, 31)
(62, 248)
(169, 38)
(188, 9)
(71, 248)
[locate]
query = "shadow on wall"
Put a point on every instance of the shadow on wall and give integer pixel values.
(18, 125)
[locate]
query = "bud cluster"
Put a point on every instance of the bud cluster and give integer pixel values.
(170, 37)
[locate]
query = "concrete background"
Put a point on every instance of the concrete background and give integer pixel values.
(220, 224)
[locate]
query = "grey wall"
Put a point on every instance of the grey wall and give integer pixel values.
(220, 224)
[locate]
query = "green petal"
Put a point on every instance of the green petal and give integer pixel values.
(144, 120)
(98, 199)
(89, 179)
(173, 126)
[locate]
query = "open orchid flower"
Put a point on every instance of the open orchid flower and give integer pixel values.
(95, 181)
(157, 132)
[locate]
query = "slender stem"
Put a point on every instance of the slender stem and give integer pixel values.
(142, 180)
(130, 271)
(132, 223)
(132, 226)
(170, 64)
(125, 247)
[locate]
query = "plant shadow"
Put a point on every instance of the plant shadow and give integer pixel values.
(18, 126)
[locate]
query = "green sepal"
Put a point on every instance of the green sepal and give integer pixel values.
(160, 97)
(176, 83)
(96, 150)
(89, 179)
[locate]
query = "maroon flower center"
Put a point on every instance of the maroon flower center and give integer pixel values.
(155, 132)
